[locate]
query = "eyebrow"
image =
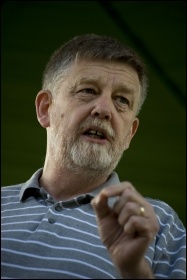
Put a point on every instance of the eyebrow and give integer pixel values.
(84, 80)
(91, 80)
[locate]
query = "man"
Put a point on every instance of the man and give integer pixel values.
(73, 218)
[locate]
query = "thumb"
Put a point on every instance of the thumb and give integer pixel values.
(100, 206)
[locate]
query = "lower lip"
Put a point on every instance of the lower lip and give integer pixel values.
(95, 140)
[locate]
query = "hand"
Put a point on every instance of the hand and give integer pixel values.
(125, 230)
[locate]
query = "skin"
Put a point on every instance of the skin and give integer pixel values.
(108, 92)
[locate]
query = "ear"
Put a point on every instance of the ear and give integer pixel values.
(132, 132)
(42, 103)
(134, 128)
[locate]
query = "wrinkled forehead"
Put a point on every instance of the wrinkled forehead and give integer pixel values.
(99, 70)
(103, 73)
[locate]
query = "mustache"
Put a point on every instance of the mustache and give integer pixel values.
(100, 124)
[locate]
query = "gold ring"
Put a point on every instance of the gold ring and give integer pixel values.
(142, 211)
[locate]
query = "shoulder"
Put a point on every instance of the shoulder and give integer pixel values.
(20, 188)
(160, 206)
(10, 194)
(167, 217)
(9, 189)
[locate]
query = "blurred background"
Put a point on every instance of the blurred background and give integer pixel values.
(32, 30)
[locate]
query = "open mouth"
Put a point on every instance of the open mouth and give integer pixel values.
(92, 133)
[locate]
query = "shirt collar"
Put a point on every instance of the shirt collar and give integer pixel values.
(112, 180)
(32, 188)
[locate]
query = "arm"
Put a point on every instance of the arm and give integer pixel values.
(169, 260)
(125, 231)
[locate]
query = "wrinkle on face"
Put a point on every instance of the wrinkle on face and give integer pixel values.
(107, 74)
(71, 111)
(115, 78)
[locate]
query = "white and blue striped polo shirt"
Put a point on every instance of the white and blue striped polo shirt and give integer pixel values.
(42, 239)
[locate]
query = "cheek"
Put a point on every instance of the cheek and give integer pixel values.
(77, 116)
(124, 134)
(56, 121)
(66, 122)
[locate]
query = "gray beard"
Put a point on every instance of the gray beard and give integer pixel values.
(85, 157)
(93, 156)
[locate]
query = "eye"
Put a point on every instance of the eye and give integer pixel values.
(88, 90)
(122, 100)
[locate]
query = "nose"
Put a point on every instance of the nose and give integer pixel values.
(102, 109)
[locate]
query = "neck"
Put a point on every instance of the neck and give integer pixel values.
(63, 183)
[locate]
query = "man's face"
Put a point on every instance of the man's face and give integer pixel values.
(92, 117)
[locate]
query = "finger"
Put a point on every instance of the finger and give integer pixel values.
(100, 205)
(128, 195)
(129, 209)
(139, 226)
(117, 190)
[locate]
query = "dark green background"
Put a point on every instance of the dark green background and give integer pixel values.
(32, 30)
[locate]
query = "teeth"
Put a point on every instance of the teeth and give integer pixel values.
(92, 131)
(99, 133)
(95, 132)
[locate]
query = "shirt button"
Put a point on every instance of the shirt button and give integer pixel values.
(58, 208)
(51, 220)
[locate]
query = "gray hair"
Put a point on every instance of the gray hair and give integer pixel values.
(92, 47)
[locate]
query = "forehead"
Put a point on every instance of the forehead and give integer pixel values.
(82, 70)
